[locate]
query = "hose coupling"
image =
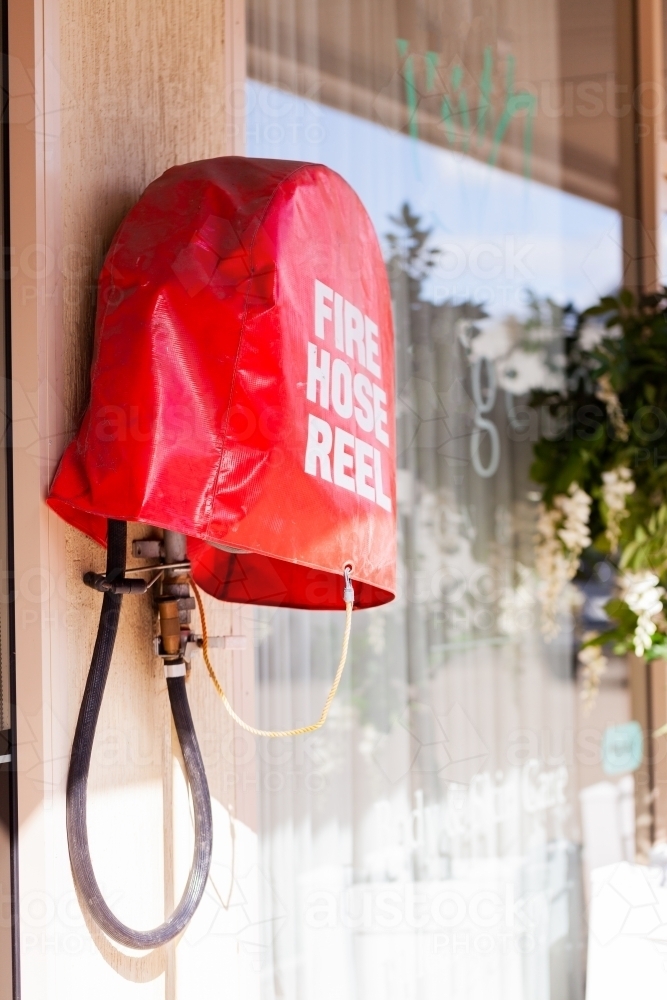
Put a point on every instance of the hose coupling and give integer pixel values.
(122, 585)
(170, 626)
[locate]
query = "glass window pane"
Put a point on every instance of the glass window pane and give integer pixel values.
(429, 840)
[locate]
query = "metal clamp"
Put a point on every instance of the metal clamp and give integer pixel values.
(228, 642)
(174, 668)
(98, 581)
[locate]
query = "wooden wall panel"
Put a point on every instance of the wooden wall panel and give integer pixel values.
(5, 888)
(106, 95)
(143, 87)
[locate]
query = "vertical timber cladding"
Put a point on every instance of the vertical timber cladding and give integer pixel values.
(8, 962)
(640, 112)
(143, 87)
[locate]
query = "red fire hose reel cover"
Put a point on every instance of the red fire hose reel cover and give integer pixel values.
(242, 387)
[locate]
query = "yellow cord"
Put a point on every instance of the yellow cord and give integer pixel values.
(265, 732)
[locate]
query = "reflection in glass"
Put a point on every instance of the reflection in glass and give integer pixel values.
(427, 841)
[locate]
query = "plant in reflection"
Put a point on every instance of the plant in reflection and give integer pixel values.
(436, 418)
(410, 253)
(610, 420)
(562, 535)
(535, 359)
(598, 408)
(464, 435)
(593, 665)
(617, 486)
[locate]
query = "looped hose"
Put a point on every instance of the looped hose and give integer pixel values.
(348, 596)
(77, 778)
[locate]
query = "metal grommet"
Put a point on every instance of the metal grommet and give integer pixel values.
(348, 590)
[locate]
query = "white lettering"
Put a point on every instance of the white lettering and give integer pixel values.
(318, 447)
(341, 388)
(380, 397)
(372, 347)
(363, 393)
(332, 453)
(363, 456)
(323, 294)
(343, 459)
(318, 373)
(354, 333)
(339, 331)
(380, 498)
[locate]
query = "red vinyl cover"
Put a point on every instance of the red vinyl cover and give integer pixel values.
(242, 386)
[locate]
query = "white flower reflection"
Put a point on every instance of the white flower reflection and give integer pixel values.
(643, 594)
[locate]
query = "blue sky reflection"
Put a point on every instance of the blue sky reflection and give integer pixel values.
(500, 233)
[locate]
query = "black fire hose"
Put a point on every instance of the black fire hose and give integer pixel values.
(77, 778)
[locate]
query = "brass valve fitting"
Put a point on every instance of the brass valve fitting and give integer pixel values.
(170, 625)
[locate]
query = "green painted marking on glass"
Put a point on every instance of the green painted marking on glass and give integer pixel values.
(432, 59)
(514, 103)
(451, 109)
(506, 116)
(528, 132)
(485, 85)
(448, 114)
(410, 89)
